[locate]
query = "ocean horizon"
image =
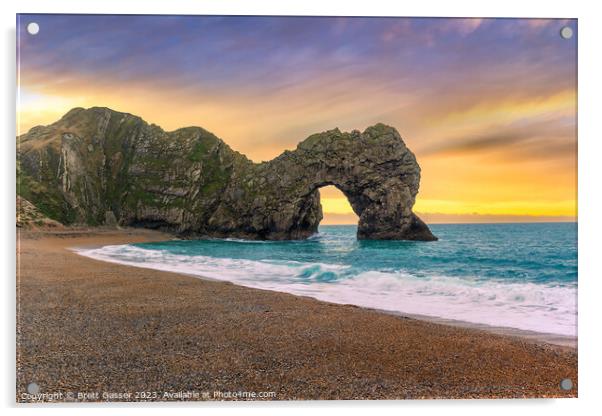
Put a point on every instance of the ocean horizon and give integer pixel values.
(514, 275)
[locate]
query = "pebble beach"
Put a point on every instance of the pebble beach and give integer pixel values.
(95, 331)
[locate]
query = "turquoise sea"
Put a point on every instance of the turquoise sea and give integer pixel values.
(512, 275)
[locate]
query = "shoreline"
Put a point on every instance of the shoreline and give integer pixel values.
(527, 335)
(557, 340)
(567, 341)
(498, 363)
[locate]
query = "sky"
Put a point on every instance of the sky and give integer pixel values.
(487, 105)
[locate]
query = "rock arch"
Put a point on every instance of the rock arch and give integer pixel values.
(97, 165)
(377, 173)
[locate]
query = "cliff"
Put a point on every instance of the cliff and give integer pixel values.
(98, 166)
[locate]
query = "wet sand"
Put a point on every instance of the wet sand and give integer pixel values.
(104, 330)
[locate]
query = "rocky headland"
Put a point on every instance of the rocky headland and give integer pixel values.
(102, 167)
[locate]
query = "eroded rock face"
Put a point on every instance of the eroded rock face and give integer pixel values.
(28, 216)
(95, 166)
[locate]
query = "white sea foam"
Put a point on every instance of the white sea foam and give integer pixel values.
(527, 306)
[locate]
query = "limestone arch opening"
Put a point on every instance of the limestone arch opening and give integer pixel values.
(336, 208)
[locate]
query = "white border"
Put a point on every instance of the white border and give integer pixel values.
(590, 135)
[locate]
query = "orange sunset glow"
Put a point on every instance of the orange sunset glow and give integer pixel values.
(488, 106)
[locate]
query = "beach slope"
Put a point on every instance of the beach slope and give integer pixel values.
(111, 331)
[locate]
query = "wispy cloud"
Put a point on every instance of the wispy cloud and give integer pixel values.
(466, 94)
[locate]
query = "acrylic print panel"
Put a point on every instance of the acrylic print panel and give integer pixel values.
(278, 208)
